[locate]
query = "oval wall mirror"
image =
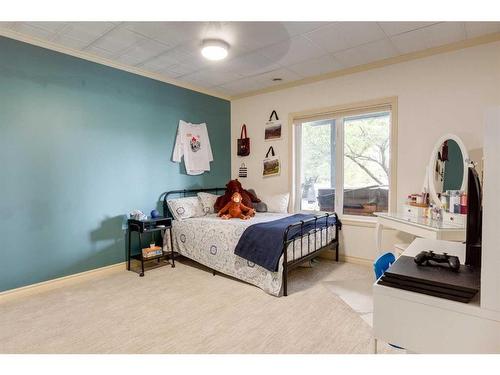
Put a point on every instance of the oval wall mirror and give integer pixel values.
(447, 167)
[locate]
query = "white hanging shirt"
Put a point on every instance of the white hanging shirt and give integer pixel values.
(193, 143)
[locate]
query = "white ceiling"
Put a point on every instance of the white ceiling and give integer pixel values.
(260, 51)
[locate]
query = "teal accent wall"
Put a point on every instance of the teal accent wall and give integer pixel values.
(82, 144)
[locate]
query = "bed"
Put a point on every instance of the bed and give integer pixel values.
(211, 241)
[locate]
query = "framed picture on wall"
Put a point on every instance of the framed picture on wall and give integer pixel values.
(273, 128)
(273, 131)
(271, 164)
(271, 167)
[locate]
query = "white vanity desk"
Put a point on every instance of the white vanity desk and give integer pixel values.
(447, 170)
(418, 226)
(427, 324)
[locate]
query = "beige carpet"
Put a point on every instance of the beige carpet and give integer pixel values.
(187, 310)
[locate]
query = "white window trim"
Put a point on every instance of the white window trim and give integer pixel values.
(296, 118)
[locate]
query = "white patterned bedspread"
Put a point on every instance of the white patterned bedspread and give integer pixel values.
(211, 241)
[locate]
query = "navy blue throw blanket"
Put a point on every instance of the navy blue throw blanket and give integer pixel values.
(262, 243)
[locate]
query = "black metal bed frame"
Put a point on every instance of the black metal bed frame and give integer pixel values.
(333, 244)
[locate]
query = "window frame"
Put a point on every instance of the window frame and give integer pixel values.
(297, 165)
(338, 113)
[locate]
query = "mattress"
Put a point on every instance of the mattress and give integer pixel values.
(211, 241)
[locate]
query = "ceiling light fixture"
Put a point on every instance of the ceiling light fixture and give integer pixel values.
(214, 49)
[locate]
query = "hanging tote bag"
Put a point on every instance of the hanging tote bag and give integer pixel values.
(243, 171)
(243, 142)
(273, 128)
(271, 164)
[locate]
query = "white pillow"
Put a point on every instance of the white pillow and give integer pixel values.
(276, 203)
(184, 208)
(207, 202)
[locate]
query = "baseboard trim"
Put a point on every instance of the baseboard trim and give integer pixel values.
(77, 277)
(356, 260)
(330, 255)
(61, 281)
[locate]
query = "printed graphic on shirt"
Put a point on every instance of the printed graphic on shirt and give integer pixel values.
(195, 143)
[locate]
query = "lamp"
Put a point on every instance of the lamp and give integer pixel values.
(214, 49)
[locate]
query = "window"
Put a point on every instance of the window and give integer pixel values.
(317, 165)
(343, 162)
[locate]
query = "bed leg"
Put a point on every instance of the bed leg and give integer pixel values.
(285, 263)
(337, 239)
(285, 291)
(213, 272)
(172, 255)
(285, 281)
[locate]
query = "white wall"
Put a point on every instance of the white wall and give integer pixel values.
(440, 94)
(490, 275)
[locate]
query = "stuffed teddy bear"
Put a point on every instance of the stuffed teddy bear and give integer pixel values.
(234, 186)
(236, 209)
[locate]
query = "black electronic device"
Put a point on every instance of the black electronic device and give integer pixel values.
(474, 220)
(429, 258)
(461, 286)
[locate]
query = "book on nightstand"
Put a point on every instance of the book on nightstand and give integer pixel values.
(153, 251)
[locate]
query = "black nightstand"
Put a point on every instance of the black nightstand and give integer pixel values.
(158, 225)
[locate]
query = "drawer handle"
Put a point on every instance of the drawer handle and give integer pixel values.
(451, 218)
